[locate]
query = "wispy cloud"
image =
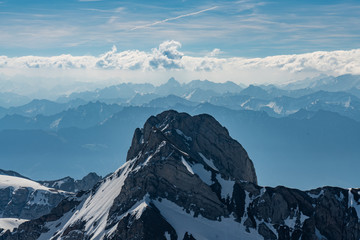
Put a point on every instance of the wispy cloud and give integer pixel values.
(116, 10)
(250, 28)
(173, 18)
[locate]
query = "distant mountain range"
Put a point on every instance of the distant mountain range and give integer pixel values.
(327, 83)
(343, 103)
(339, 94)
(318, 138)
(81, 116)
(196, 89)
(278, 126)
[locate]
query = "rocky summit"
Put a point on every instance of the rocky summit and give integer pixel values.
(71, 185)
(186, 178)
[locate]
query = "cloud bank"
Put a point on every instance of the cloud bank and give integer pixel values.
(167, 56)
(25, 74)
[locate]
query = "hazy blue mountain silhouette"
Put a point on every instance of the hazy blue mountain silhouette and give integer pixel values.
(8, 99)
(328, 83)
(169, 101)
(82, 116)
(43, 107)
(323, 145)
(343, 103)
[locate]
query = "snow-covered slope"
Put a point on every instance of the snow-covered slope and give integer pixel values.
(93, 211)
(10, 223)
(17, 182)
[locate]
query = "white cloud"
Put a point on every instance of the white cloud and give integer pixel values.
(166, 61)
(215, 52)
(169, 57)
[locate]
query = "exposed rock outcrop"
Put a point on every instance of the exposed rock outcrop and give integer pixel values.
(200, 137)
(26, 199)
(71, 185)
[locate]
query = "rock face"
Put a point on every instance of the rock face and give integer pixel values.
(22, 199)
(26, 199)
(185, 178)
(71, 185)
(201, 137)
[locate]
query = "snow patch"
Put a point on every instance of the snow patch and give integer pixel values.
(164, 128)
(167, 236)
(203, 174)
(55, 124)
(162, 144)
(244, 103)
(247, 204)
(178, 131)
(316, 195)
(227, 186)
(202, 228)
(319, 235)
(136, 210)
(209, 162)
(339, 198)
(38, 198)
(262, 191)
(269, 225)
(186, 165)
(291, 221)
(11, 223)
(347, 103)
(190, 95)
(275, 107)
(139, 207)
(199, 170)
(353, 203)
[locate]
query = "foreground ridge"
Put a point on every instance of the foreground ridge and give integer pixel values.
(186, 178)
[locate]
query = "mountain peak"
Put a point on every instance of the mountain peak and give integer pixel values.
(200, 138)
(172, 82)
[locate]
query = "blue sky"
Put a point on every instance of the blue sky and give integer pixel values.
(77, 45)
(238, 28)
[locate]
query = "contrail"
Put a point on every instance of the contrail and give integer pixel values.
(174, 18)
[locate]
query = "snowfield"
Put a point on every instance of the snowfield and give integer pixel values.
(17, 182)
(10, 223)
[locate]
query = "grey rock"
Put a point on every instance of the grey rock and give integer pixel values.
(266, 232)
(194, 135)
(28, 203)
(71, 185)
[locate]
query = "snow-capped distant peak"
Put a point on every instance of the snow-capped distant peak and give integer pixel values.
(17, 182)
